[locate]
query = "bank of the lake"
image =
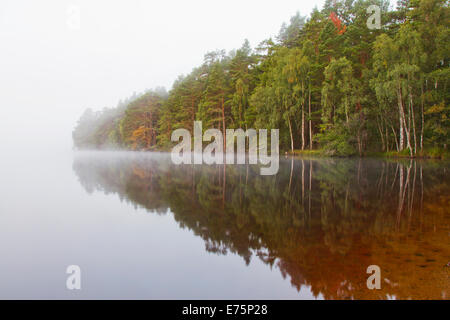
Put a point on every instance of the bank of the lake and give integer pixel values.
(431, 153)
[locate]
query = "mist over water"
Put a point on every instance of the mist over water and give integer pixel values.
(50, 220)
(140, 227)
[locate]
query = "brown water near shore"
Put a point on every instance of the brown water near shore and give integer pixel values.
(319, 222)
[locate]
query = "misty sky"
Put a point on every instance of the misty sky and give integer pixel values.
(51, 70)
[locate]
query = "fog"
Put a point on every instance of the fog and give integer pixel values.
(53, 67)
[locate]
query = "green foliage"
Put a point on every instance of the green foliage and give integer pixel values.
(327, 82)
(336, 141)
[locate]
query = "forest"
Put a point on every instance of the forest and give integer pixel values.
(330, 84)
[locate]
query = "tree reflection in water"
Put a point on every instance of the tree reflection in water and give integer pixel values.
(322, 222)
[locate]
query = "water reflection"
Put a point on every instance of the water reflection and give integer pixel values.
(322, 222)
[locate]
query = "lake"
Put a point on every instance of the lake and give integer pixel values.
(140, 227)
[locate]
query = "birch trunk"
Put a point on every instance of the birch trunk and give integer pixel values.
(290, 132)
(303, 126)
(310, 121)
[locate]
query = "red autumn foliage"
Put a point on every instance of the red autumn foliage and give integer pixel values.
(338, 23)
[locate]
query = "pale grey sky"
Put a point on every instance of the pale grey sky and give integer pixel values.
(50, 70)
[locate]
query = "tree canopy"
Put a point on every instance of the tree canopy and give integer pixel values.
(327, 82)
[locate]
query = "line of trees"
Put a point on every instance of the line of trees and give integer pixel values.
(327, 82)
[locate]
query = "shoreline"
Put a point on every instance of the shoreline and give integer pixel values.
(438, 154)
(318, 153)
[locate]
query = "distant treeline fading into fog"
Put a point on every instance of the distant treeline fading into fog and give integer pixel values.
(328, 82)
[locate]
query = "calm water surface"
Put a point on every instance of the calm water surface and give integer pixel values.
(142, 228)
